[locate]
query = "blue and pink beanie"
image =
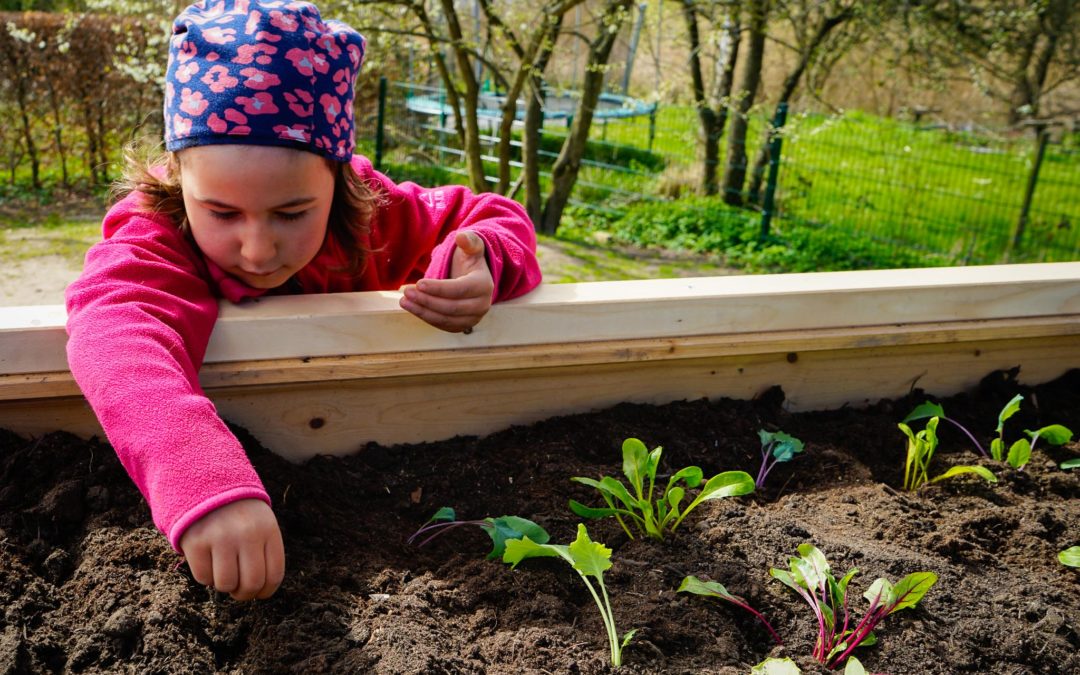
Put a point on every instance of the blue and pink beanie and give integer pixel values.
(261, 73)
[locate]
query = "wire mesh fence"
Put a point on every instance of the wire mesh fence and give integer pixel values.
(962, 196)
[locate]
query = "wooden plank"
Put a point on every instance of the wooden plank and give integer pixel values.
(302, 419)
(524, 357)
(370, 323)
(325, 374)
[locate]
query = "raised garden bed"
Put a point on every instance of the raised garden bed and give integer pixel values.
(88, 585)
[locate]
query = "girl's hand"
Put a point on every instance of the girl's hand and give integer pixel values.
(237, 549)
(458, 303)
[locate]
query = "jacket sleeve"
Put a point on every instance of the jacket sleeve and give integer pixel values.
(418, 225)
(139, 319)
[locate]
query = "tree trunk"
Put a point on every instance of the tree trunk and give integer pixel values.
(735, 169)
(534, 124)
(791, 83)
(565, 171)
(712, 120)
(471, 99)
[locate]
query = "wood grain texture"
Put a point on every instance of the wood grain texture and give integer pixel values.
(326, 374)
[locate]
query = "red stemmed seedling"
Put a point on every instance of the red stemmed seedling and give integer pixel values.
(776, 447)
(500, 530)
(712, 589)
(809, 575)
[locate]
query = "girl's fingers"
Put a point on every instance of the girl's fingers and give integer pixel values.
(275, 566)
(471, 285)
(453, 324)
(450, 307)
(226, 571)
(252, 571)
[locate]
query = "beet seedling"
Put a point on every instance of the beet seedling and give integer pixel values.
(777, 447)
(589, 559)
(712, 589)
(1019, 453)
(811, 577)
(920, 451)
(650, 517)
(501, 530)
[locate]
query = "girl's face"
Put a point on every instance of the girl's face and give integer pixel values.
(259, 212)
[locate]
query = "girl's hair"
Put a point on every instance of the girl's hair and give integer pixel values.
(157, 178)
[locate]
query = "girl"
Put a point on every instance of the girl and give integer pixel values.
(259, 193)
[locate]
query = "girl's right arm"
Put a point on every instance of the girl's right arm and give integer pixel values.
(139, 320)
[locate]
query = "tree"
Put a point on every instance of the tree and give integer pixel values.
(812, 22)
(565, 171)
(735, 170)
(712, 108)
(1018, 51)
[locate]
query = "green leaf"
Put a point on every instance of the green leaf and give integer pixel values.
(853, 667)
(909, 590)
(1020, 453)
(635, 463)
(786, 448)
(674, 498)
(591, 512)
(1008, 411)
(726, 484)
(882, 591)
(712, 589)
(997, 447)
(1055, 434)
(629, 636)
(1071, 463)
(776, 666)
(923, 411)
(507, 528)
(691, 474)
(1070, 556)
(784, 577)
(957, 470)
(445, 513)
(817, 561)
(518, 550)
(589, 557)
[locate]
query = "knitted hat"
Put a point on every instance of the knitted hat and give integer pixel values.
(261, 73)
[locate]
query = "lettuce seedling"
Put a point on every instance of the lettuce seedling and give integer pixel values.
(811, 577)
(712, 589)
(776, 447)
(500, 529)
(589, 559)
(1070, 464)
(650, 517)
(1070, 556)
(920, 451)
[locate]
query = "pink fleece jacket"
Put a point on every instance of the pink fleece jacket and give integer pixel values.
(141, 313)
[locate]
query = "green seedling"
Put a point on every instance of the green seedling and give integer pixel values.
(637, 504)
(1019, 453)
(712, 589)
(589, 559)
(776, 447)
(1070, 463)
(920, 451)
(811, 577)
(1070, 556)
(500, 530)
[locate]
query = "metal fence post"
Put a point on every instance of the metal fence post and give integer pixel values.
(1029, 191)
(380, 124)
(768, 203)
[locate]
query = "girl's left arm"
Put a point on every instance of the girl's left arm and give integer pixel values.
(414, 234)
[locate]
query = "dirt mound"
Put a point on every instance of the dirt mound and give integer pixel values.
(88, 585)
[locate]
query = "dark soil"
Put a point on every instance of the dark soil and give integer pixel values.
(88, 585)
